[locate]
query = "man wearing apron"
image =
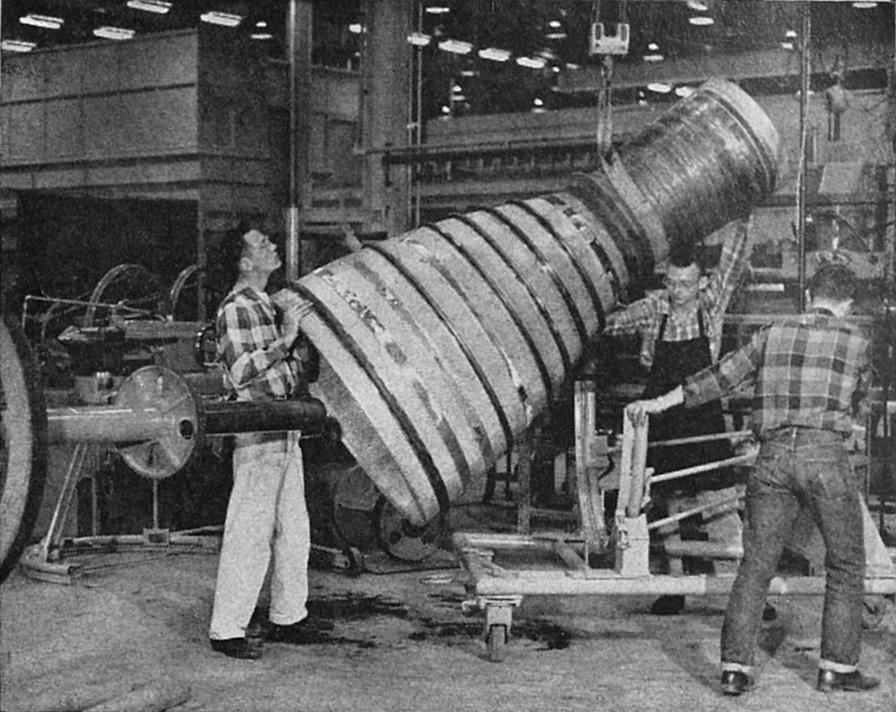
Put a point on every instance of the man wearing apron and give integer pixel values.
(681, 333)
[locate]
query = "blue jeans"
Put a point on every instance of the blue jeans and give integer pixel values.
(808, 468)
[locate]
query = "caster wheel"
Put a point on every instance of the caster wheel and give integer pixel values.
(496, 643)
(873, 611)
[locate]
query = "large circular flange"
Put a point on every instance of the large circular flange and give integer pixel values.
(171, 403)
(402, 539)
(23, 448)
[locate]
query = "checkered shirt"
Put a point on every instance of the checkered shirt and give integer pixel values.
(257, 359)
(645, 315)
(810, 371)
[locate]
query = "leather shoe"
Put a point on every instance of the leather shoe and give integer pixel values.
(734, 682)
(667, 606)
(239, 648)
(855, 681)
(303, 632)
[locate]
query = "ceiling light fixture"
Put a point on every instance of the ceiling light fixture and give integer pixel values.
(684, 91)
(419, 39)
(17, 45)
(438, 9)
(653, 46)
(356, 28)
(555, 36)
(864, 5)
(697, 6)
(787, 45)
(655, 57)
(113, 33)
(261, 36)
(160, 7)
(556, 24)
(790, 34)
(531, 62)
(659, 88)
(226, 19)
(456, 46)
(701, 20)
(46, 21)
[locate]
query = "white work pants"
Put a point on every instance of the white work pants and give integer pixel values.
(266, 514)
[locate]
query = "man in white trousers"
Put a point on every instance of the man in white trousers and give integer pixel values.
(267, 519)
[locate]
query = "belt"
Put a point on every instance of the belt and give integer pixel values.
(803, 432)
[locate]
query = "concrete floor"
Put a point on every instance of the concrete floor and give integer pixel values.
(401, 642)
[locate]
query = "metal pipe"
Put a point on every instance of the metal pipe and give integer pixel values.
(801, 196)
(230, 417)
(104, 424)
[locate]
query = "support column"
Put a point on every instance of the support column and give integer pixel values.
(386, 112)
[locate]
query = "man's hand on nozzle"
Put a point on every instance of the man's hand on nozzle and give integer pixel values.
(638, 411)
(294, 309)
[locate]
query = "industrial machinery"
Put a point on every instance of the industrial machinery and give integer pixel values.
(589, 562)
(155, 419)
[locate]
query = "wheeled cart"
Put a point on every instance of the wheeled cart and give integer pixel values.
(559, 563)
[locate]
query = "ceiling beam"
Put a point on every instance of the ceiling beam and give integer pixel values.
(739, 66)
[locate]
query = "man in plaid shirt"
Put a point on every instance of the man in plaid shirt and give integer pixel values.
(681, 332)
(267, 519)
(811, 377)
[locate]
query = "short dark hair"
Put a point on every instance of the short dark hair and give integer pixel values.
(833, 280)
(231, 251)
(683, 254)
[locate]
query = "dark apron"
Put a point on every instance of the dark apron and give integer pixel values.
(672, 362)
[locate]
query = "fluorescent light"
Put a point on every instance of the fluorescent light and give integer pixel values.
(787, 45)
(261, 35)
(684, 91)
(438, 9)
(653, 46)
(655, 57)
(790, 34)
(659, 88)
(113, 33)
(537, 102)
(494, 54)
(531, 62)
(356, 28)
(419, 39)
(555, 36)
(160, 7)
(697, 6)
(45, 21)
(17, 45)
(701, 20)
(456, 46)
(555, 24)
(468, 72)
(261, 23)
(221, 18)
(864, 5)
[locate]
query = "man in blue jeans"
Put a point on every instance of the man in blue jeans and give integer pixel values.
(812, 375)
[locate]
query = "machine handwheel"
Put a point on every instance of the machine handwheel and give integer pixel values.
(496, 643)
(128, 285)
(23, 449)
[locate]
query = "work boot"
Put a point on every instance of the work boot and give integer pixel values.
(855, 681)
(239, 648)
(667, 606)
(735, 682)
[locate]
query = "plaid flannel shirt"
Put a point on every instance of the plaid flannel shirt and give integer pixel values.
(256, 357)
(812, 371)
(645, 315)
